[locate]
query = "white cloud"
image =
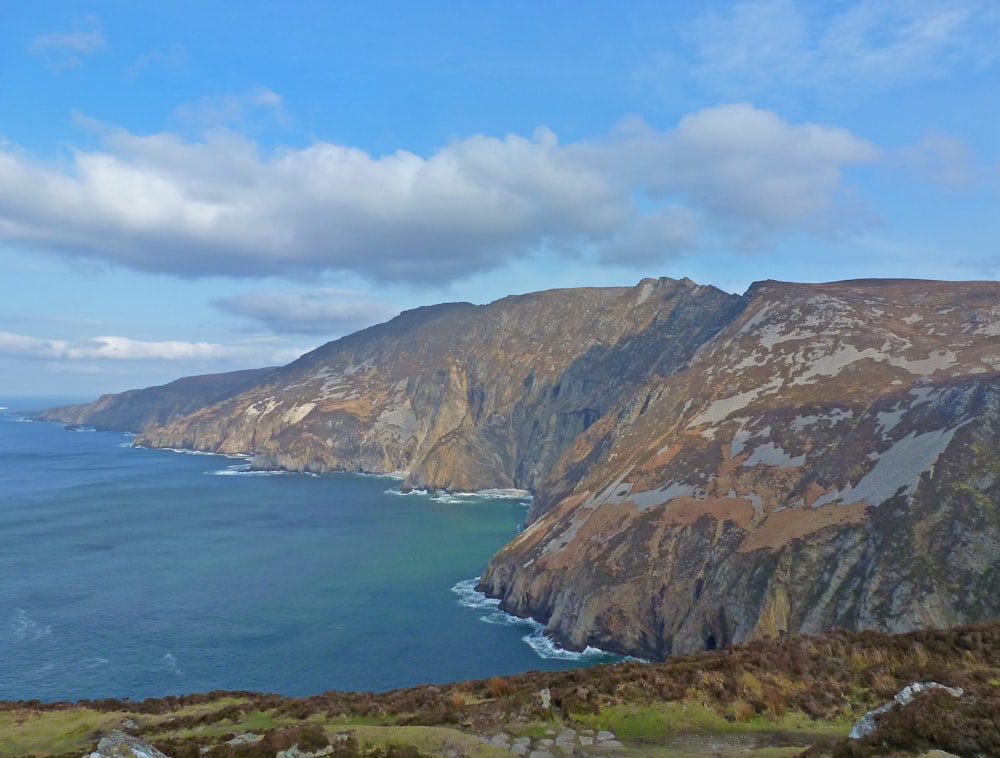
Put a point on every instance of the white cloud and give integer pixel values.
(325, 311)
(762, 44)
(231, 109)
(125, 349)
(173, 57)
(64, 49)
(744, 176)
(219, 205)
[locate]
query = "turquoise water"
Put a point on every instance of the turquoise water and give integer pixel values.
(127, 572)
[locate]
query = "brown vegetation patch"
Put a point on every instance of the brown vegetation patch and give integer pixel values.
(659, 460)
(597, 527)
(781, 527)
(360, 407)
(687, 510)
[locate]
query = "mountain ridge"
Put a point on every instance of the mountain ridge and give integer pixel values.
(707, 468)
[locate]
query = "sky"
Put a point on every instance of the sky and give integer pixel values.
(197, 187)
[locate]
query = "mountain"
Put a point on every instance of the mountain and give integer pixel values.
(707, 468)
(460, 396)
(135, 410)
(831, 458)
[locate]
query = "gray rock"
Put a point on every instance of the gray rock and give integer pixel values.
(121, 745)
(586, 740)
(295, 752)
(546, 698)
(866, 724)
(245, 739)
(603, 736)
(500, 740)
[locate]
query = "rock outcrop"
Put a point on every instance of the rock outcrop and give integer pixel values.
(121, 745)
(707, 468)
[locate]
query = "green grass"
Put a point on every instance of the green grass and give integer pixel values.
(653, 723)
(656, 722)
(428, 739)
(51, 732)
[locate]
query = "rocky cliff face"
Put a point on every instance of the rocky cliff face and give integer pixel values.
(459, 396)
(707, 468)
(830, 459)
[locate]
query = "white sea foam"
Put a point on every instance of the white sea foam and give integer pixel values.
(185, 451)
(169, 662)
(458, 498)
(543, 645)
(243, 469)
(505, 494)
(394, 475)
(407, 493)
(546, 647)
(94, 662)
(26, 629)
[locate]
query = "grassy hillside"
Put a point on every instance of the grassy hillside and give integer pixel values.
(766, 698)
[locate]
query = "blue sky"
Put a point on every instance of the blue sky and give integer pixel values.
(197, 187)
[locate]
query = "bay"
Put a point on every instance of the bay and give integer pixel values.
(128, 572)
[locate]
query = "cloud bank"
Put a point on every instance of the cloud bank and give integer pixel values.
(125, 349)
(317, 312)
(731, 175)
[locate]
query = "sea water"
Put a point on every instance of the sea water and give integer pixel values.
(128, 572)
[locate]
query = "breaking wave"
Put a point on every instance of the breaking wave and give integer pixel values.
(458, 498)
(243, 469)
(543, 645)
(185, 451)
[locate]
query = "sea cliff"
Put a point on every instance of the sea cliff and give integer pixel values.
(707, 468)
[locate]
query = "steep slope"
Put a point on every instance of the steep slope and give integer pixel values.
(831, 458)
(460, 396)
(136, 410)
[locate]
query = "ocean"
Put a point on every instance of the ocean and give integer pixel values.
(128, 572)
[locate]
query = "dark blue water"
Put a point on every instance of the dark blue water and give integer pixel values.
(132, 572)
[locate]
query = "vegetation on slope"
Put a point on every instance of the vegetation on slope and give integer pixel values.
(769, 697)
